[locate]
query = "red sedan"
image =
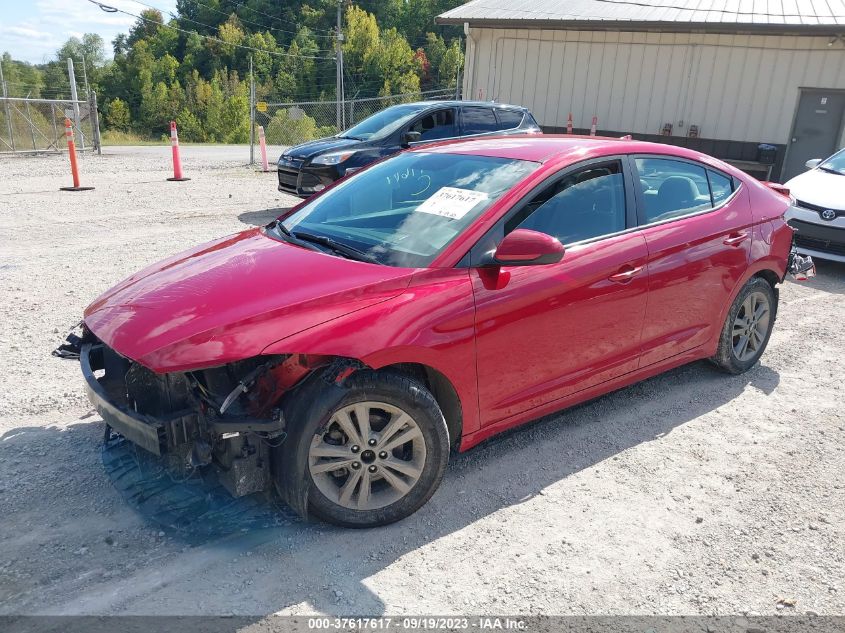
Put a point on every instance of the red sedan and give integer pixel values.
(429, 302)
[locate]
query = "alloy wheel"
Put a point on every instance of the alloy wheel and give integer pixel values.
(751, 326)
(368, 456)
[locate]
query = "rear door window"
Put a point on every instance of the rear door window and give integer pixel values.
(436, 125)
(508, 119)
(672, 188)
(477, 120)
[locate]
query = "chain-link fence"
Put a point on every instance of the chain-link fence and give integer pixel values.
(38, 125)
(293, 123)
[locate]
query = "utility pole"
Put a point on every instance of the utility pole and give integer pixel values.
(72, 78)
(458, 75)
(85, 78)
(251, 114)
(339, 62)
(95, 121)
(6, 104)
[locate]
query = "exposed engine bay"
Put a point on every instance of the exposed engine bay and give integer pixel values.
(225, 416)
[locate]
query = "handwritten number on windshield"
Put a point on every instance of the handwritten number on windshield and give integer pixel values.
(414, 175)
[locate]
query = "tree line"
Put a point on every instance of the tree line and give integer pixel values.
(193, 67)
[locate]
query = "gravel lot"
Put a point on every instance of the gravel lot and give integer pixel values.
(691, 493)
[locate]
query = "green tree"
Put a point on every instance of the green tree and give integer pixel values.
(90, 47)
(290, 127)
(146, 27)
(450, 65)
(22, 78)
(231, 35)
(263, 58)
(164, 69)
(191, 67)
(284, 86)
(164, 41)
(190, 127)
(362, 39)
(117, 115)
(160, 105)
(394, 61)
(226, 109)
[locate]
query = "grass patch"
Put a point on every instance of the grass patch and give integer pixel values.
(116, 137)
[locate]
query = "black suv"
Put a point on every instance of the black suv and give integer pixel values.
(308, 168)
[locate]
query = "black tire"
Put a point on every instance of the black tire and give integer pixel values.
(727, 357)
(292, 460)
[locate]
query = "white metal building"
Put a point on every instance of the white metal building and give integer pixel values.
(718, 76)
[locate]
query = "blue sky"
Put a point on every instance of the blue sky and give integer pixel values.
(32, 30)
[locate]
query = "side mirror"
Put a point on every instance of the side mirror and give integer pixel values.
(813, 163)
(523, 247)
(410, 137)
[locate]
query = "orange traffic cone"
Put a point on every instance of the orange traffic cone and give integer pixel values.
(74, 168)
(177, 161)
(263, 143)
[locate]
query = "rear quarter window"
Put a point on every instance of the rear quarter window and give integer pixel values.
(721, 186)
(509, 119)
(477, 120)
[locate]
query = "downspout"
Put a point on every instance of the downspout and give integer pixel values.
(469, 77)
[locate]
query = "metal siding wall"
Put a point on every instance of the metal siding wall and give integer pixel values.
(544, 75)
(652, 119)
(734, 87)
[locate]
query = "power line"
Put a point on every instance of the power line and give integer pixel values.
(417, 44)
(110, 9)
(273, 17)
(203, 24)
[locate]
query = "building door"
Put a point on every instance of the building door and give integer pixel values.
(817, 129)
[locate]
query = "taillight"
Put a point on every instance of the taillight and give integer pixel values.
(778, 188)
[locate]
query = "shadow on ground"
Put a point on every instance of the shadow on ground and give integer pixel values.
(263, 216)
(193, 505)
(506, 471)
(830, 277)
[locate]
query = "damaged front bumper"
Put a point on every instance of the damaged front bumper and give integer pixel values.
(145, 431)
(178, 415)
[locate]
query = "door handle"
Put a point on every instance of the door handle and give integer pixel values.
(625, 275)
(735, 239)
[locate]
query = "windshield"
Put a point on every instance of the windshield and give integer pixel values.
(835, 163)
(406, 210)
(383, 123)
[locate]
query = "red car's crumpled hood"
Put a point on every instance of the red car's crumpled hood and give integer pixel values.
(228, 299)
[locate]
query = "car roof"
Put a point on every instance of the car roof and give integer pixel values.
(439, 103)
(544, 147)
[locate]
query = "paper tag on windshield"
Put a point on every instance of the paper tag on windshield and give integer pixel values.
(452, 203)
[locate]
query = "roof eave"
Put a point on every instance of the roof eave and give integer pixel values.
(633, 25)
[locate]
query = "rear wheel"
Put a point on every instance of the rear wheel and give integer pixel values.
(747, 327)
(376, 455)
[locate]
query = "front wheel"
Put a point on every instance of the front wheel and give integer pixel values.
(747, 327)
(376, 455)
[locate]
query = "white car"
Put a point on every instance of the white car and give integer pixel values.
(817, 212)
